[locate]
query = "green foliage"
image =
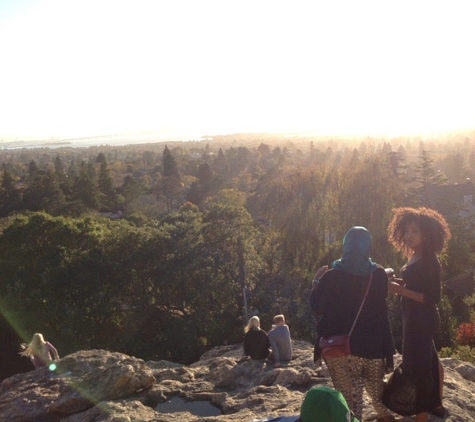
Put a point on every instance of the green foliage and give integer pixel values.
(465, 353)
(169, 168)
(366, 198)
(461, 246)
(44, 194)
(106, 188)
(80, 278)
(10, 197)
(293, 203)
(85, 188)
(167, 280)
(448, 324)
(470, 302)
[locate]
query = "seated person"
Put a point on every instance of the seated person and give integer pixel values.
(280, 341)
(39, 351)
(256, 343)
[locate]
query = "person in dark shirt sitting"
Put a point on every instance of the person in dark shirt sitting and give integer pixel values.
(256, 343)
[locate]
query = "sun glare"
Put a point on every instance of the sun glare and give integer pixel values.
(89, 68)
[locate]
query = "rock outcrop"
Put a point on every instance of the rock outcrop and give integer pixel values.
(223, 386)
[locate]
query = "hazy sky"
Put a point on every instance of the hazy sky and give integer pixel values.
(72, 68)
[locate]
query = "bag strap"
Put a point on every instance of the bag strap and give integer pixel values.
(361, 306)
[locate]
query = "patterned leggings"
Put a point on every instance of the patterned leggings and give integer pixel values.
(350, 374)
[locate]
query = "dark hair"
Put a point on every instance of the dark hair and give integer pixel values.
(435, 230)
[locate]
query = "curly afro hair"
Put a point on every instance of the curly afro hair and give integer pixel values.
(435, 230)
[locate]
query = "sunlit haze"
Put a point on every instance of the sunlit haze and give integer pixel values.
(73, 68)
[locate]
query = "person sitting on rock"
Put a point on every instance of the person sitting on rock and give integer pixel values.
(39, 351)
(256, 343)
(280, 341)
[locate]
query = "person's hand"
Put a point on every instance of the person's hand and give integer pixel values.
(322, 270)
(395, 287)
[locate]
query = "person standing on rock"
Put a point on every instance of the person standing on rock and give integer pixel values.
(421, 234)
(280, 341)
(336, 300)
(256, 343)
(39, 351)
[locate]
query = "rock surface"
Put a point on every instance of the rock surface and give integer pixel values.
(103, 386)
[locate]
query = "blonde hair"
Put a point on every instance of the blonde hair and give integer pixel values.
(253, 323)
(279, 318)
(37, 346)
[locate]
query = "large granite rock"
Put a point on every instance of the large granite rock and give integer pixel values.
(103, 386)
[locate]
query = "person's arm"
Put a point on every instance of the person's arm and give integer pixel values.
(53, 350)
(245, 345)
(267, 343)
(275, 349)
(289, 344)
(399, 289)
(318, 294)
(318, 275)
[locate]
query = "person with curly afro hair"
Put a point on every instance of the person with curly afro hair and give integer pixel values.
(420, 234)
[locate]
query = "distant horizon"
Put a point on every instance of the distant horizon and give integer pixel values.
(164, 135)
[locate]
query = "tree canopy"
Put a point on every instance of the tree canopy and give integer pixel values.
(169, 248)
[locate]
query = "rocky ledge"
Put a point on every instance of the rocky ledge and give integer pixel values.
(223, 386)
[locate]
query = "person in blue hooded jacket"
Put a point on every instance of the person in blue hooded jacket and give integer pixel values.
(335, 300)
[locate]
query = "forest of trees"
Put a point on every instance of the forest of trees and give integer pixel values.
(163, 251)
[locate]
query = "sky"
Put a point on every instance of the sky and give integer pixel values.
(77, 68)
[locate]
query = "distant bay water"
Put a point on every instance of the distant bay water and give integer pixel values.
(95, 141)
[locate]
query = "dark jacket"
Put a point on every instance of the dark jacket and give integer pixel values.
(335, 302)
(256, 344)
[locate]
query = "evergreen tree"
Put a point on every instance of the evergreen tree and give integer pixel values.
(171, 186)
(169, 164)
(85, 189)
(454, 168)
(106, 187)
(60, 173)
(219, 163)
(426, 177)
(101, 158)
(33, 168)
(396, 163)
(131, 188)
(10, 197)
(43, 193)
